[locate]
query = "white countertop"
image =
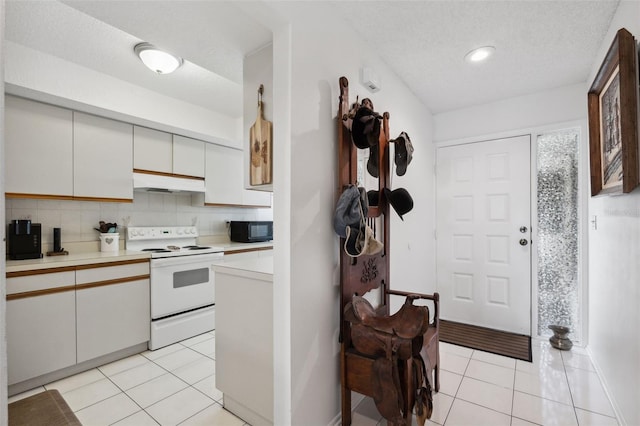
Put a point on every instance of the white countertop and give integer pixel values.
(73, 260)
(87, 258)
(262, 265)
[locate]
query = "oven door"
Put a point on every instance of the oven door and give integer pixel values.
(182, 283)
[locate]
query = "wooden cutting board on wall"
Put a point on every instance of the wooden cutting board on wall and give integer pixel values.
(260, 137)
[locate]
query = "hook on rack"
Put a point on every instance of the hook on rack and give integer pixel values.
(260, 92)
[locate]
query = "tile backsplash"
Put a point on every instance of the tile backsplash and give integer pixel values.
(78, 218)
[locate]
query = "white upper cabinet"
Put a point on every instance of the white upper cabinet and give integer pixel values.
(152, 150)
(103, 158)
(188, 156)
(55, 152)
(38, 148)
(253, 198)
(223, 177)
(156, 151)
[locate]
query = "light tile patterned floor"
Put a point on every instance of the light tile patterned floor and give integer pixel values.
(170, 386)
(176, 385)
(479, 388)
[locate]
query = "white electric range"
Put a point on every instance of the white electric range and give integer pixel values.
(182, 281)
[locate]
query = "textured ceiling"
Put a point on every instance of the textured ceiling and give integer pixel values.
(540, 44)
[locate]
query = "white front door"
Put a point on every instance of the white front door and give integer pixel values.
(484, 233)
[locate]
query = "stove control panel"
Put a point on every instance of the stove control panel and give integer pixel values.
(160, 232)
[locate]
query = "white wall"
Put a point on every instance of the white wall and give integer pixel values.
(614, 272)
(514, 114)
(3, 290)
(323, 50)
(282, 213)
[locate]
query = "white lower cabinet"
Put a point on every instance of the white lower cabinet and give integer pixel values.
(112, 308)
(41, 325)
(112, 317)
(59, 319)
(244, 340)
(41, 335)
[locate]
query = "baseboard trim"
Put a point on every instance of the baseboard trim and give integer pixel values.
(616, 409)
(29, 384)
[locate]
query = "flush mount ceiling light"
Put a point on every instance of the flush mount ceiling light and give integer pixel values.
(157, 60)
(480, 54)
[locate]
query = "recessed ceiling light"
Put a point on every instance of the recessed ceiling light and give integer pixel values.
(480, 54)
(157, 60)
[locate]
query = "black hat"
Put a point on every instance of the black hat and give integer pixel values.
(373, 196)
(365, 129)
(372, 164)
(403, 153)
(400, 200)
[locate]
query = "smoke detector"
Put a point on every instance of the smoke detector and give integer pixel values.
(370, 80)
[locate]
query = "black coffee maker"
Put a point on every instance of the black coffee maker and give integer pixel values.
(25, 240)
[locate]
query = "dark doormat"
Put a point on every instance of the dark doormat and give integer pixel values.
(497, 342)
(45, 408)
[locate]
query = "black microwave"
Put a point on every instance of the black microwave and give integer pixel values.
(251, 231)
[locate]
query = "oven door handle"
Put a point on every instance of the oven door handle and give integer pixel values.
(185, 260)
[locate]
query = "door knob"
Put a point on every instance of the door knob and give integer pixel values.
(523, 242)
(523, 229)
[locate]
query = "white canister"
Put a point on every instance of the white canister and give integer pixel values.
(110, 241)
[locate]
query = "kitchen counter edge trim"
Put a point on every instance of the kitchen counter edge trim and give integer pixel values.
(103, 257)
(72, 260)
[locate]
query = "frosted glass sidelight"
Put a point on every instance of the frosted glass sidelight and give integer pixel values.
(557, 177)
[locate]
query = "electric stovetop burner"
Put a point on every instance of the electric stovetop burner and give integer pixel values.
(167, 241)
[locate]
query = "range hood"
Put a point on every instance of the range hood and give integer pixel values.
(162, 183)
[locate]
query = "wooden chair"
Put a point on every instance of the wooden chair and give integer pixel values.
(368, 272)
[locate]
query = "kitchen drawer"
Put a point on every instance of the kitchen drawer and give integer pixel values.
(40, 282)
(107, 272)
